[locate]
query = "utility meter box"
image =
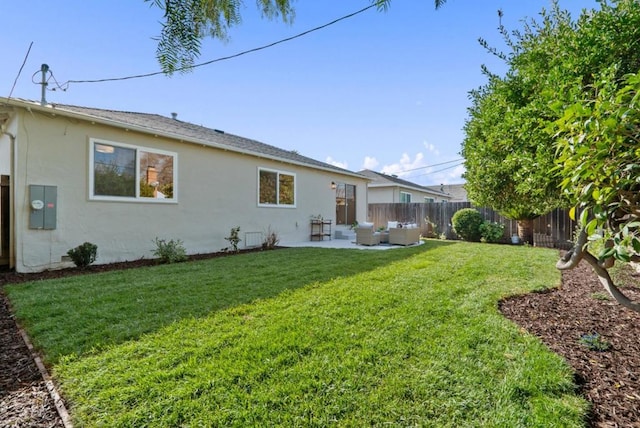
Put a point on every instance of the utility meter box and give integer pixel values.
(43, 201)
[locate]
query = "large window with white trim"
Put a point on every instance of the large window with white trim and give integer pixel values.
(276, 188)
(125, 172)
(405, 197)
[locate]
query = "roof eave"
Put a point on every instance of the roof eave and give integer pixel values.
(51, 109)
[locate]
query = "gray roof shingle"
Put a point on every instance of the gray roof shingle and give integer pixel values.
(154, 123)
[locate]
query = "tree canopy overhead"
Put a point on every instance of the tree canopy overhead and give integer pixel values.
(187, 22)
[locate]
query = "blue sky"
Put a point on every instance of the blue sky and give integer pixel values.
(386, 91)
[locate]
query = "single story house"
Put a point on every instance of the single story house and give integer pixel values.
(389, 189)
(457, 192)
(119, 180)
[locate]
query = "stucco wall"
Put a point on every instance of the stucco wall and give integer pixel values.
(391, 194)
(380, 195)
(217, 190)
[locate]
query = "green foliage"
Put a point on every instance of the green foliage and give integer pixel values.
(561, 127)
(598, 156)
(172, 251)
(595, 342)
(188, 22)
(83, 255)
(467, 223)
(423, 344)
(233, 239)
(491, 231)
(109, 180)
(146, 189)
(600, 296)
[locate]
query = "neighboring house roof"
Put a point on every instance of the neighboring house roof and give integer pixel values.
(176, 129)
(457, 191)
(384, 180)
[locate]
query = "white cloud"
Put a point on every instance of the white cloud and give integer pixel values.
(339, 164)
(370, 163)
(431, 148)
(406, 163)
(418, 169)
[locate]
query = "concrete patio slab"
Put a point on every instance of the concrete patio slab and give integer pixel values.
(343, 243)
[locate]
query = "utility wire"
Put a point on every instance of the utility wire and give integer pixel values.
(435, 164)
(440, 170)
(304, 33)
(20, 71)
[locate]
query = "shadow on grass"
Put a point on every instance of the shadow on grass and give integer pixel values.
(78, 314)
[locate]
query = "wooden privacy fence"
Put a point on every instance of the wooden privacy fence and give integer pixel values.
(434, 219)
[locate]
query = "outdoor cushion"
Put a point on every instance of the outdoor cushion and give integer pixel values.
(366, 236)
(404, 236)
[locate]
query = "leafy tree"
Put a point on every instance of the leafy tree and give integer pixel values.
(508, 153)
(112, 180)
(599, 158)
(569, 99)
(187, 22)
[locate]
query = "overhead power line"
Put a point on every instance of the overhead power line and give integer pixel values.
(20, 71)
(435, 164)
(304, 33)
(440, 170)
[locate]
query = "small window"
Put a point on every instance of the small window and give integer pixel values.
(405, 197)
(124, 172)
(276, 188)
(429, 200)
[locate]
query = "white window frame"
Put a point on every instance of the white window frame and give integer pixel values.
(429, 200)
(408, 195)
(137, 197)
(278, 204)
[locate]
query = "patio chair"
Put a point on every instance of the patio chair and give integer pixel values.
(365, 235)
(404, 236)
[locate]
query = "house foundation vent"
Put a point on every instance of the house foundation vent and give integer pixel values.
(252, 239)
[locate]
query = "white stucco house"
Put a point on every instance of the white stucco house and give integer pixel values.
(389, 189)
(457, 192)
(120, 179)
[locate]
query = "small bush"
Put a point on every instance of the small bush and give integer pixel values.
(466, 223)
(270, 240)
(595, 342)
(600, 296)
(83, 255)
(170, 251)
(491, 232)
(234, 239)
(432, 229)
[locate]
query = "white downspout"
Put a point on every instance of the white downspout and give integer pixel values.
(12, 201)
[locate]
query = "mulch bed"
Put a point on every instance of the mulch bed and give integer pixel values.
(610, 379)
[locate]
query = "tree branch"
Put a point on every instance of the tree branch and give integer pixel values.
(607, 283)
(574, 255)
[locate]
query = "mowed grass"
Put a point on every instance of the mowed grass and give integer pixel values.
(305, 337)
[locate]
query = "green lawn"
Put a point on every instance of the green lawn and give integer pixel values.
(305, 337)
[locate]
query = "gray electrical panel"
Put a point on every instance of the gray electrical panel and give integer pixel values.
(43, 201)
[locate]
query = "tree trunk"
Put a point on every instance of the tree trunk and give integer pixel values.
(571, 259)
(525, 231)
